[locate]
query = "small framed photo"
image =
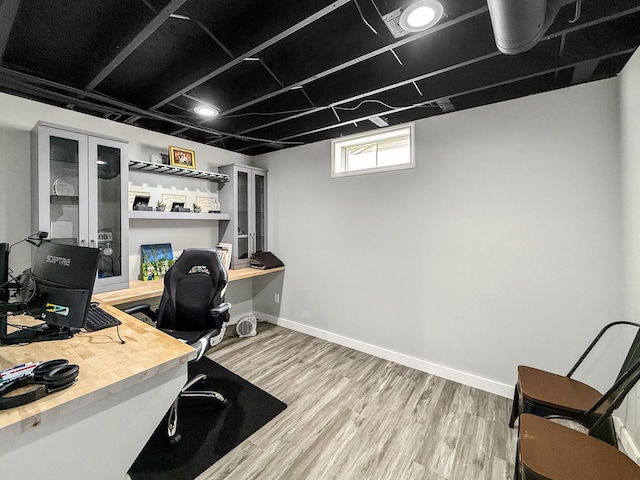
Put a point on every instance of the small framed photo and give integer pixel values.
(181, 157)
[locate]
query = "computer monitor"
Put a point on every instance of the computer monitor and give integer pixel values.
(64, 277)
(4, 272)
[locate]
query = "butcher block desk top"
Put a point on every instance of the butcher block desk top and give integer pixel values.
(106, 367)
(141, 291)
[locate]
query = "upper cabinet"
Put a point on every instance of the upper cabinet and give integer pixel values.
(244, 198)
(80, 196)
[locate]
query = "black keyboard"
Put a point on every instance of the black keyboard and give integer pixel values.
(97, 319)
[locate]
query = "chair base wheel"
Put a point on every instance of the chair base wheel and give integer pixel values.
(174, 440)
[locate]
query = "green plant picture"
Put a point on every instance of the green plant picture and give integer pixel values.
(157, 258)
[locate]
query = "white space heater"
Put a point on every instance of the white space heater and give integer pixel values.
(246, 327)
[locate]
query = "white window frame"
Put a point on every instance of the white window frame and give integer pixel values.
(340, 145)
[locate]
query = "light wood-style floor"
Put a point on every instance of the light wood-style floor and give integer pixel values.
(352, 416)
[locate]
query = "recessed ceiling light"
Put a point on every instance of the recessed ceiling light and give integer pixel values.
(206, 111)
(421, 15)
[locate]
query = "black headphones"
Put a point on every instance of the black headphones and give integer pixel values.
(53, 376)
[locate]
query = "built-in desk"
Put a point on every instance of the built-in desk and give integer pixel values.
(139, 290)
(96, 428)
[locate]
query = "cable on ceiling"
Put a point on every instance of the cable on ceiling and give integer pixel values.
(362, 17)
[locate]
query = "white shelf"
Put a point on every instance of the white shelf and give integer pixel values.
(136, 214)
(181, 172)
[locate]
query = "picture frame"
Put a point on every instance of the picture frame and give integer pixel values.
(208, 204)
(225, 251)
(136, 193)
(181, 157)
(157, 259)
(169, 198)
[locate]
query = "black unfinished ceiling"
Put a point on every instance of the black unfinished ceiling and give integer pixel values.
(289, 72)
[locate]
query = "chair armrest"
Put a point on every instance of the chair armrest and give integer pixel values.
(143, 308)
(220, 309)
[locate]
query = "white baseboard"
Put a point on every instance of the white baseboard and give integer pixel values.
(625, 440)
(400, 358)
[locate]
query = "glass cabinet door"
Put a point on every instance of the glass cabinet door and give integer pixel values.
(242, 182)
(260, 196)
(109, 207)
(67, 189)
(81, 181)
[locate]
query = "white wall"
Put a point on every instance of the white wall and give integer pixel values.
(18, 117)
(630, 152)
(15, 194)
(502, 247)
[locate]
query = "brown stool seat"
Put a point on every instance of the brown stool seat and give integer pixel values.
(553, 452)
(559, 392)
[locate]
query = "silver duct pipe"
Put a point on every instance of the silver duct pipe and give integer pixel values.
(519, 24)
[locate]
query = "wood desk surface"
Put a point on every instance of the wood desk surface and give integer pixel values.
(140, 291)
(106, 367)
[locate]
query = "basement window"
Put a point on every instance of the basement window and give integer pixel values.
(384, 150)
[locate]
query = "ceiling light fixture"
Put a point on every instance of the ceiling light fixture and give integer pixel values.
(206, 111)
(421, 15)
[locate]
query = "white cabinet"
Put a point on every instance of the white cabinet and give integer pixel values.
(244, 198)
(80, 196)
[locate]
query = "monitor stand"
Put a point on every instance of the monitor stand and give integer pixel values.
(38, 333)
(41, 333)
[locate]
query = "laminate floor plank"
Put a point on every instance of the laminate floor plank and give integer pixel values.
(353, 416)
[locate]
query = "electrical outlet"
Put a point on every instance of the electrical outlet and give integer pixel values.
(276, 298)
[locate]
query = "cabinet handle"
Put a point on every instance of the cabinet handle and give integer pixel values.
(92, 243)
(82, 242)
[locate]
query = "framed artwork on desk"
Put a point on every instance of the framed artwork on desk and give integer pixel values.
(224, 252)
(156, 260)
(181, 157)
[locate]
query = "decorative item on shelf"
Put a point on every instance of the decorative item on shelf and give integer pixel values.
(133, 194)
(224, 252)
(181, 157)
(141, 202)
(160, 206)
(171, 199)
(156, 260)
(208, 204)
(62, 188)
(196, 208)
(179, 207)
(159, 158)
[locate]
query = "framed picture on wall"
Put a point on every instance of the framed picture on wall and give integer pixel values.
(181, 157)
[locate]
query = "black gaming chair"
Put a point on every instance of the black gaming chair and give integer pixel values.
(193, 310)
